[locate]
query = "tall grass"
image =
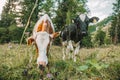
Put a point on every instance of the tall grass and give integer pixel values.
(19, 63)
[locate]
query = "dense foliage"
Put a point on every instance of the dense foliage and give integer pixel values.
(8, 30)
(86, 41)
(62, 12)
(100, 37)
(114, 30)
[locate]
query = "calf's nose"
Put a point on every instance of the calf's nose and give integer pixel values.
(41, 67)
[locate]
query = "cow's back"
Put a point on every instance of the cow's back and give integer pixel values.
(69, 33)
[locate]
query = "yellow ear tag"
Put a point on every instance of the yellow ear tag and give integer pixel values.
(94, 20)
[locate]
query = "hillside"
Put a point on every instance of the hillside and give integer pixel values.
(100, 24)
(19, 63)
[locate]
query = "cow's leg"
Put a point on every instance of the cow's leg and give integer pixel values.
(70, 49)
(64, 49)
(67, 52)
(77, 47)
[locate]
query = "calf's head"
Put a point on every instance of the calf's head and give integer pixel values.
(42, 41)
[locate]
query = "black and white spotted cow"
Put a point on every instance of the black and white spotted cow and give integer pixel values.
(73, 33)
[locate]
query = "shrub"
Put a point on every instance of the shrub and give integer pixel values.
(100, 37)
(113, 71)
(4, 35)
(86, 42)
(15, 33)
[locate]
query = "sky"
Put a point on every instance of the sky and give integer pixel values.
(2, 3)
(99, 8)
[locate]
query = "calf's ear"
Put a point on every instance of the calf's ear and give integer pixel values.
(94, 19)
(30, 40)
(54, 35)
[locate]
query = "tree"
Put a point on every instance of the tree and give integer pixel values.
(27, 8)
(114, 30)
(7, 20)
(8, 32)
(4, 35)
(67, 10)
(7, 17)
(61, 11)
(43, 6)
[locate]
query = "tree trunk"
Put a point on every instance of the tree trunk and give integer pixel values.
(116, 32)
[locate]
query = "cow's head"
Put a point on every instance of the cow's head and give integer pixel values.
(93, 19)
(82, 21)
(42, 41)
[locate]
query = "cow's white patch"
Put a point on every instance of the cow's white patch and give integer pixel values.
(82, 17)
(42, 57)
(70, 46)
(42, 41)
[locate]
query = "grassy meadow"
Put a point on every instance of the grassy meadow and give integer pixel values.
(18, 62)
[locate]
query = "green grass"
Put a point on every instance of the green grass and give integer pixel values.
(92, 64)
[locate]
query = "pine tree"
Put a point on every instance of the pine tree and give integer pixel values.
(114, 31)
(7, 16)
(43, 6)
(8, 29)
